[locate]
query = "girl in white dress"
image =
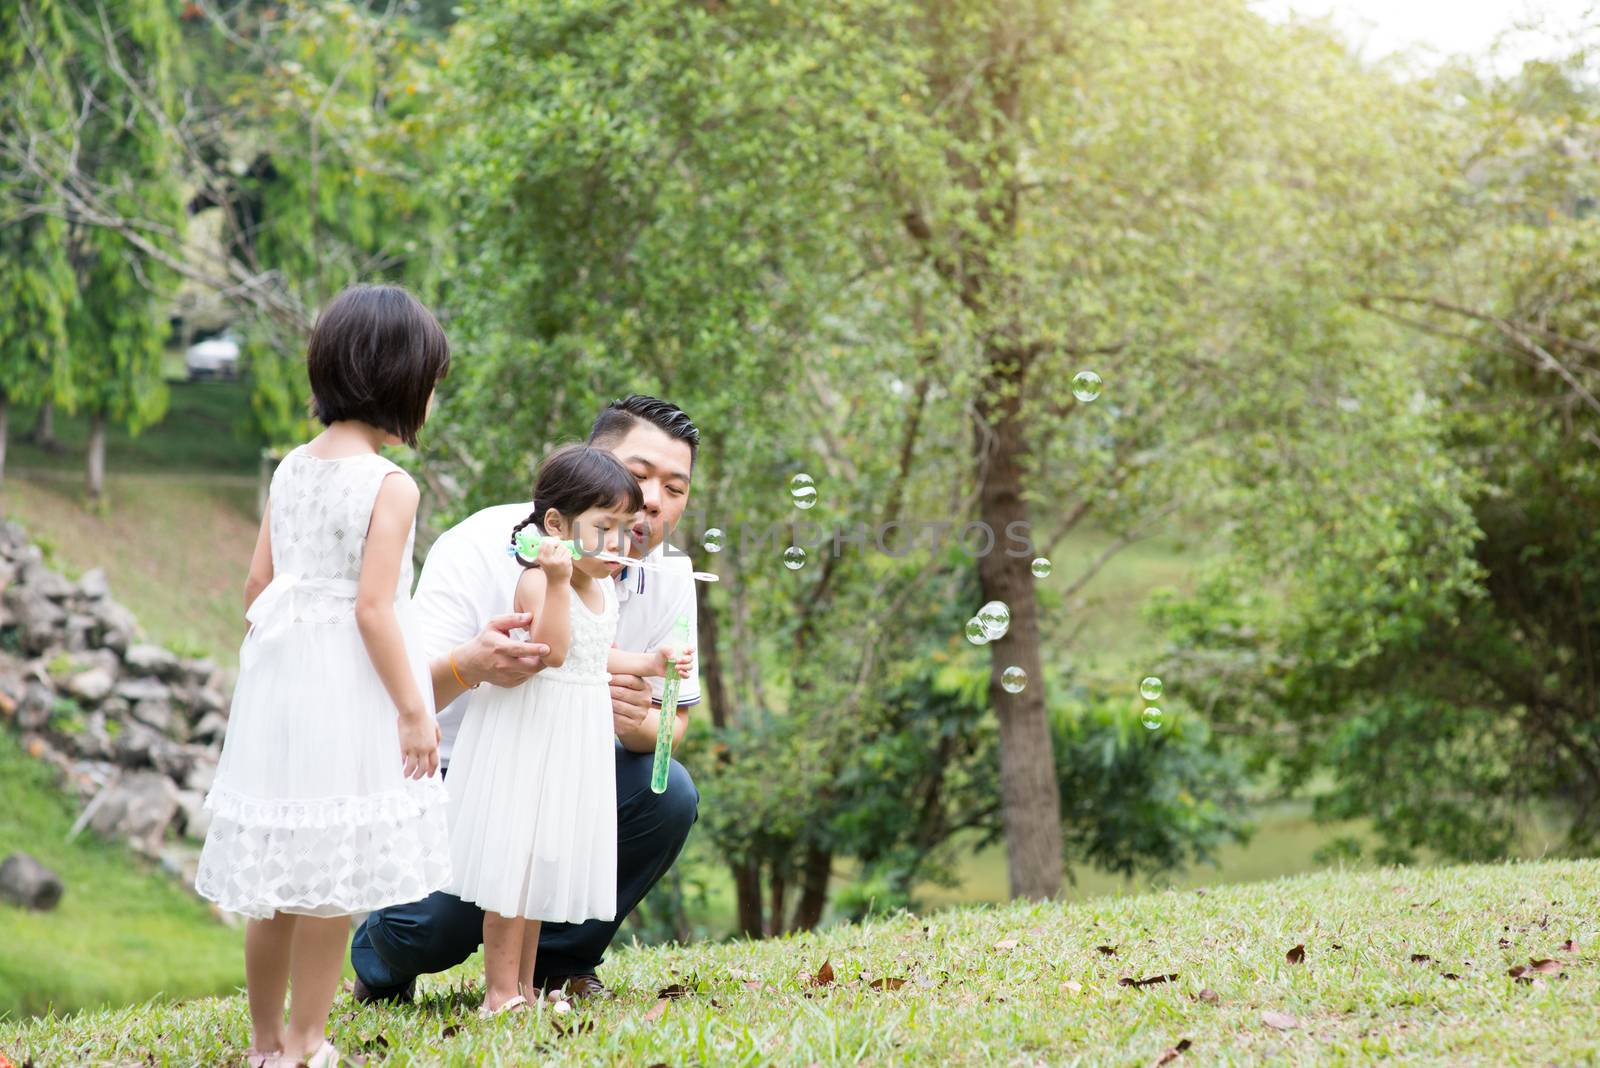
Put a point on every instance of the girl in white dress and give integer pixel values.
(533, 807)
(325, 801)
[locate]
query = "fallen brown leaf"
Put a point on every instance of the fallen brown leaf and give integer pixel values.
(887, 983)
(1449, 975)
(1547, 966)
(1280, 1021)
(1005, 944)
(1420, 958)
(824, 974)
(1210, 997)
(450, 1031)
(753, 984)
(1172, 1053)
(1107, 951)
(1151, 980)
(1297, 955)
(658, 1010)
(675, 990)
(1569, 946)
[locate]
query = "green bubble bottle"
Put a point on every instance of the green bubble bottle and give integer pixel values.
(669, 709)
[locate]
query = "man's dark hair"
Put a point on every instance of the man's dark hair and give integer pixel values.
(619, 417)
(375, 356)
(576, 478)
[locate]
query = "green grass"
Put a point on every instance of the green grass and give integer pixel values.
(123, 932)
(1022, 984)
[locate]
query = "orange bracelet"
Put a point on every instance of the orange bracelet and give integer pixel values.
(451, 656)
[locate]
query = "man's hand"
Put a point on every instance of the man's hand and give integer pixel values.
(630, 703)
(497, 658)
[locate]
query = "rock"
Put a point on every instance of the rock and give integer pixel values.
(213, 726)
(199, 672)
(26, 882)
(138, 808)
(118, 625)
(33, 711)
(193, 814)
(80, 632)
(171, 758)
(93, 685)
(94, 584)
(157, 713)
(135, 743)
(137, 690)
(115, 640)
(7, 573)
(94, 741)
(37, 618)
(210, 700)
(203, 775)
(42, 580)
(148, 659)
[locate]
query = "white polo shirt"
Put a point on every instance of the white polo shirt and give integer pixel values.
(469, 578)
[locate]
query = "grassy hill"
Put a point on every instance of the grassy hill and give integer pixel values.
(123, 932)
(1405, 965)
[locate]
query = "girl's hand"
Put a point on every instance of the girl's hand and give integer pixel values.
(685, 662)
(555, 560)
(665, 661)
(419, 745)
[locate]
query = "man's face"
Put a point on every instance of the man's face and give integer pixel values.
(661, 463)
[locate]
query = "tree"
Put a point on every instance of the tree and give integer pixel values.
(36, 281)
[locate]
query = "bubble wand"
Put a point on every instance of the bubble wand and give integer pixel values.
(669, 708)
(526, 548)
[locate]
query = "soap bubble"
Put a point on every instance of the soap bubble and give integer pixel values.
(794, 558)
(1013, 679)
(975, 632)
(1150, 689)
(713, 540)
(803, 490)
(1041, 567)
(1086, 385)
(1151, 719)
(996, 619)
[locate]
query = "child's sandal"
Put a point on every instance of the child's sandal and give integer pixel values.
(263, 1058)
(324, 1057)
(516, 1004)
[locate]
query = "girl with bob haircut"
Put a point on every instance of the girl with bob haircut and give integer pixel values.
(325, 801)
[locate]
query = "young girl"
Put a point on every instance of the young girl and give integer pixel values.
(533, 816)
(325, 801)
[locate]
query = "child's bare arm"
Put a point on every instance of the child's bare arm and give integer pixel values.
(650, 665)
(543, 592)
(260, 561)
(392, 514)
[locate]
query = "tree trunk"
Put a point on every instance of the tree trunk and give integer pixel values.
(713, 679)
(813, 889)
(775, 917)
(747, 892)
(44, 427)
(1031, 804)
(97, 455)
(5, 432)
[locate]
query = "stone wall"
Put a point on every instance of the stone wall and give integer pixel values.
(132, 729)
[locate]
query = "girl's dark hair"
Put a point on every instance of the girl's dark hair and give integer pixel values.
(574, 479)
(375, 356)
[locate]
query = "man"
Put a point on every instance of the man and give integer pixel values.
(464, 598)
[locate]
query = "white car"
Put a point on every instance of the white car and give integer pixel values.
(216, 357)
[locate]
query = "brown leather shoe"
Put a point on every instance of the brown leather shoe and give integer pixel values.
(577, 987)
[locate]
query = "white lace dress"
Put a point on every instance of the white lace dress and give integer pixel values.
(311, 812)
(533, 798)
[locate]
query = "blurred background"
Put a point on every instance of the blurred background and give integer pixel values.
(1273, 324)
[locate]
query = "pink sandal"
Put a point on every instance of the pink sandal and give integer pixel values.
(257, 1058)
(325, 1056)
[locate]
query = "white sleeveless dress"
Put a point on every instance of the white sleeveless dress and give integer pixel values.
(533, 797)
(311, 811)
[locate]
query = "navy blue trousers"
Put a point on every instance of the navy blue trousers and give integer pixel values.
(399, 943)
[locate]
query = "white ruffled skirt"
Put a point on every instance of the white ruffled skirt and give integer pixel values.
(533, 800)
(311, 812)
